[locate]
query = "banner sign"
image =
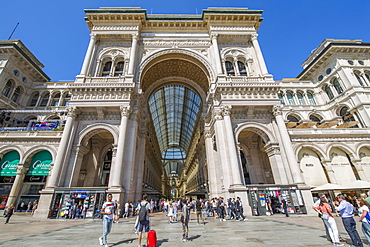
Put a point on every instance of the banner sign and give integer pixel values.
(40, 164)
(9, 163)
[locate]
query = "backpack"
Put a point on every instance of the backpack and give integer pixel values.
(143, 212)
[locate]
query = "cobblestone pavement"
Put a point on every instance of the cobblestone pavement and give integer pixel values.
(276, 230)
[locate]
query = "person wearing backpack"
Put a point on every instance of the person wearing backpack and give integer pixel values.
(143, 208)
(363, 210)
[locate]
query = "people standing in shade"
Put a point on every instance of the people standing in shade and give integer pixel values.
(346, 212)
(185, 220)
(143, 209)
(9, 212)
(199, 208)
(284, 204)
(29, 207)
(325, 210)
(108, 211)
(362, 212)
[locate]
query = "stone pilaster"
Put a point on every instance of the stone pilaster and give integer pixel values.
(14, 194)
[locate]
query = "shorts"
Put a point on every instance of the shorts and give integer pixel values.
(144, 224)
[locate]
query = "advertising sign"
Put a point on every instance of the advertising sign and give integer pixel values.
(40, 164)
(9, 163)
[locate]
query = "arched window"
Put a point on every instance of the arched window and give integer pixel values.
(314, 118)
(34, 99)
(357, 74)
(45, 99)
(300, 98)
(329, 92)
(281, 99)
(367, 75)
(229, 68)
(66, 100)
(119, 68)
(16, 94)
(242, 69)
(55, 100)
(290, 98)
(311, 98)
(7, 88)
(292, 118)
(337, 86)
(106, 69)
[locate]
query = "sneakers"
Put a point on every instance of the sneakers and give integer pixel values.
(224, 220)
(338, 244)
(245, 219)
(101, 241)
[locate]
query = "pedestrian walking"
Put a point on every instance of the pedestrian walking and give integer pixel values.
(143, 208)
(8, 213)
(199, 208)
(284, 204)
(325, 210)
(185, 221)
(346, 212)
(29, 207)
(363, 210)
(108, 211)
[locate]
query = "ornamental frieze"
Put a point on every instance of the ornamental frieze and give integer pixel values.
(231, 28)
(176, 43)
(116, 28)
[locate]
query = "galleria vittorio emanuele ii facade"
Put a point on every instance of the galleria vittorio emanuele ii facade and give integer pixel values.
(181, 106)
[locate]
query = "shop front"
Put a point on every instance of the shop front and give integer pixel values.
(266, 200)
(8, 171)
(72, 203)
(35, 179)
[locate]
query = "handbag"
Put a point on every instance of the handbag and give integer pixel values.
(325, 216)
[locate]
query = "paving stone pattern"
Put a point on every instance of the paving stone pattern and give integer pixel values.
(275, 230)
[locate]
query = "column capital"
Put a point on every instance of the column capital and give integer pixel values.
(276, 110)
(22, 169)
(226, 110)
(92, 35)
(125, 111)
(214, 36)
(218, 114)
(254, 37)
(135, 36)
(72, 111)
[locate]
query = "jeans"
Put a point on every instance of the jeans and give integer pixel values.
(366, 231)
(107, 227)
(350, 226)
(333, 230)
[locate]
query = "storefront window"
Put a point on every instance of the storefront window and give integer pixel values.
(266, 200)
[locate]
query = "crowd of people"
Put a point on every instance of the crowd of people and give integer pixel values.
(346, 209)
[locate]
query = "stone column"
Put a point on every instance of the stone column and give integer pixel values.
(261, 60)
(53, 180)
(17, 185)
(129, 157)
(236, 169)
(217, 54)
(293, 164)
(132, 54)
(277, 167)
(222, 151)
(76, 159)
(139, 161)
(89, 52)
(360, 169)
(117, 166)
(236, 67)
(330, 171)
(212, 169)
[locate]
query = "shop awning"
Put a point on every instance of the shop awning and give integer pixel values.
(358, 184)
(40, 164)
(328, 124)
(328, 186)
(9, 163)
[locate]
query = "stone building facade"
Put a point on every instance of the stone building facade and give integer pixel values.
(181, 105)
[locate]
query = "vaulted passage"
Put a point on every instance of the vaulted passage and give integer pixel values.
(174, 111)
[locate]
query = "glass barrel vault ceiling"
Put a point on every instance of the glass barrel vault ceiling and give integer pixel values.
(174, 110)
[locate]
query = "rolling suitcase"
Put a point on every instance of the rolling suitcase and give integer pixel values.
(152, 238)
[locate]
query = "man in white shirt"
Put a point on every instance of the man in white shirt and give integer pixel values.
(108, 210)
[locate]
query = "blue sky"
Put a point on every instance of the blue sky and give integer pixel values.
(55, 31)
